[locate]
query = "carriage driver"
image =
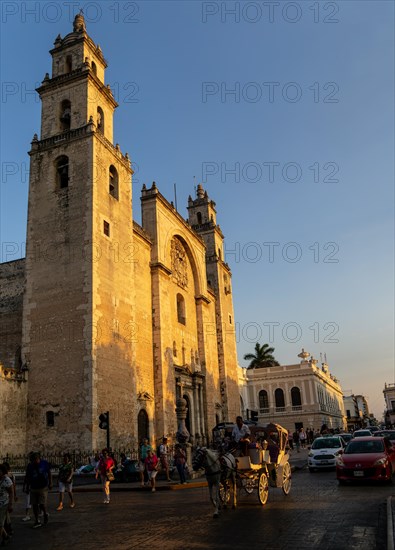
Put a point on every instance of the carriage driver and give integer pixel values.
(240, 434)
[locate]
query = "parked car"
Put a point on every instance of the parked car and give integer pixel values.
(346, 437)
(366, 458)
(374, 429)
(324, 451)
(390, 434)
(362, 433)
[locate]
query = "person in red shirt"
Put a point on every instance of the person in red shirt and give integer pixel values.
(151, 464)
(104, 469)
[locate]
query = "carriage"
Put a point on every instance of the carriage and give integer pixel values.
(265, 462)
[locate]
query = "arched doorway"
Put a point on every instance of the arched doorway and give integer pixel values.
(142, 425)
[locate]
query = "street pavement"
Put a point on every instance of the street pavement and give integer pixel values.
(318, 514)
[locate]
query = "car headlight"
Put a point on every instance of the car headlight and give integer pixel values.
(310, 455)
(380, 462)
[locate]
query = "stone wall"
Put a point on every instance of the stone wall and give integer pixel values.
(12, 378)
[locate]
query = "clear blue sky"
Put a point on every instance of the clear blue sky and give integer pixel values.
(314, 94)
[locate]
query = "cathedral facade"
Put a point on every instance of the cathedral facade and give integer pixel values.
(104, 314)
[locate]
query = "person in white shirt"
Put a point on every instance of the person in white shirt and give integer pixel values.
(240, 434)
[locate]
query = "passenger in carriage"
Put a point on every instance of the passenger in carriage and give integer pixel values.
(273, 446)
(240, 434)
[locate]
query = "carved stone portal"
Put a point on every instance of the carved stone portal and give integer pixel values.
(179, 264)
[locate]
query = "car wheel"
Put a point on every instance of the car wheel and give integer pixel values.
(311, 470)
(389, 480)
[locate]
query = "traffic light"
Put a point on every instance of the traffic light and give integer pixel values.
(103, 421)
(254, 416)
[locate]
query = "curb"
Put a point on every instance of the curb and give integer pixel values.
(390, 525)
(147, 489)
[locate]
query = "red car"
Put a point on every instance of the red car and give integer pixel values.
(370, 458)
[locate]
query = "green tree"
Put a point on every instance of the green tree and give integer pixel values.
(262, 358)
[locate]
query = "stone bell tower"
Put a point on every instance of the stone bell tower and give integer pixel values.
(203, 219)
(79, 300)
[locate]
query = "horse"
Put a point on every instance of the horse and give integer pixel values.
(219, 469)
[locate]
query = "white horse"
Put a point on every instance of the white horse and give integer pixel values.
(219, 471)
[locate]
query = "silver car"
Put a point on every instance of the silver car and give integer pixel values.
(324, 452)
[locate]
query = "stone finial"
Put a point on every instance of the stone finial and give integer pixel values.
(92, 124)
(182, 434)
(153, 186)
(35, 137)
(303, 355)
(79, 23)
(58, 41)
(46, 78)
(144, 188)
(200, 191)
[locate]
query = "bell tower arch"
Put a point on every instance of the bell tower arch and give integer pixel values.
(202, 217)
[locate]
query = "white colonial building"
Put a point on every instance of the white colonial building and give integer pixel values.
(389, 396)
(295, 396)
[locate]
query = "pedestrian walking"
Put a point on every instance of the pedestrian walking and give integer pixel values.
(180, 459)
(164, 457)
(105, 470)
(302, 437)
(6, 502)
(151, 464)
(7, 524)
(144, 448)
(38, 482)
(28, 506)
(65, 481)
(296, 439)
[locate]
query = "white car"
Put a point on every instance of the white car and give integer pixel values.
(362, 433)
(324, 452)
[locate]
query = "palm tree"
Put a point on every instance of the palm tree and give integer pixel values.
(262, 358)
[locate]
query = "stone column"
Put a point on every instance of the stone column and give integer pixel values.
(182, 434)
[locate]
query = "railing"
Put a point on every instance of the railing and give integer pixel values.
(264, 410)
(280, 409)
(297, 407)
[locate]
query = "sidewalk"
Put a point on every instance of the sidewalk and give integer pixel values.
(297, 460)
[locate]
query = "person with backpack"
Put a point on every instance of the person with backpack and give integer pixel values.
(38, 482)
(65, 481)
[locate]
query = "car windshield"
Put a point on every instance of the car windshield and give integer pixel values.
(326, 443)
(362, 433)
(356, 447)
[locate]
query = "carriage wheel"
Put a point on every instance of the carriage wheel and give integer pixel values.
(263, 489)
(224, 492)
(287, 478)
